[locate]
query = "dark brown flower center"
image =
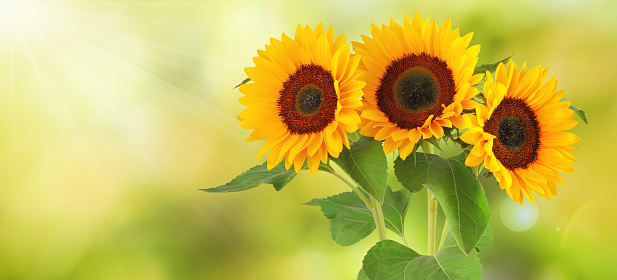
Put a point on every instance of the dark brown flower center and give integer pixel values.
(511, 133)
(416, 89)
(518, 133)
(413, 88)
(307, 101)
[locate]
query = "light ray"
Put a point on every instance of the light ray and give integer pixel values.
(87, 27)
(13, 87)
(79, 167)
(70, 34)
(53, 51)
(51, 105)
(69, 10)
(90, 27)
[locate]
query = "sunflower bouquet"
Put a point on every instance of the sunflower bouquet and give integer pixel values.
(402, 91)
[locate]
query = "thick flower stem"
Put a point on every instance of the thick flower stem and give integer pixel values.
(350, 184)
(372, 203)
(444, 233)
(432, 222)
(379, 220)
(432, 205)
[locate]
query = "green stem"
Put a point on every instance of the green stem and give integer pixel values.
(402, 236)
(432, 222)
(432, 205)
(444, 233)
(351, 185)
(379, 220)
(372, 204)
(353, 137)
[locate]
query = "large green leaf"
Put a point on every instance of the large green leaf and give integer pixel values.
(366, 164)
(484, 244)
(489, 67)
(277, 176)
(350, 219)
(394, 208)
(460, 195)
(389, 260)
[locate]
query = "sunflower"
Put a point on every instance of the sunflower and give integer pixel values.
(519, 132)
(419, 78)
(304, 98)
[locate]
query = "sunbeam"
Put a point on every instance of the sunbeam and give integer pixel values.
(44, 87)
(194, 51)
(115, 108)
(13, 87)
(16, 12)
(75, 37)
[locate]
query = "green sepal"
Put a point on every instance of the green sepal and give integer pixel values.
(366, 164)
(433, 141)
(389, 260)
(243, 82)
(489, 67)
(580, 113)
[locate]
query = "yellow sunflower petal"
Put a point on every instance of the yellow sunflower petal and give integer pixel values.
(420, 45)
(313, 163)
(473, 135)
(292, 80)
(473, 160)
(406, 148)
(520, 132)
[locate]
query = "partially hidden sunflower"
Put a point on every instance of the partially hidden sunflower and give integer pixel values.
(519, 132)
(304, 98)
(419, 78)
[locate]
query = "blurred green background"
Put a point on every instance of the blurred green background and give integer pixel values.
(113, 114)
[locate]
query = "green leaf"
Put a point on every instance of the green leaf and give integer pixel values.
(362, 275)
(366, 164)
(413, 181)
(580, 113)
(484, 244)
(243, 82)
(277, 176)
(347, 212)
(394, 208)
(350, 219)
(489, 67)
(389, 260)
(460, 194)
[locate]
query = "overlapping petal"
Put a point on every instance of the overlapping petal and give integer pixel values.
(273, 67)
(553, 117)
(415, 37)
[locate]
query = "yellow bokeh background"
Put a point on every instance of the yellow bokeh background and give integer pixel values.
(114, 114)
